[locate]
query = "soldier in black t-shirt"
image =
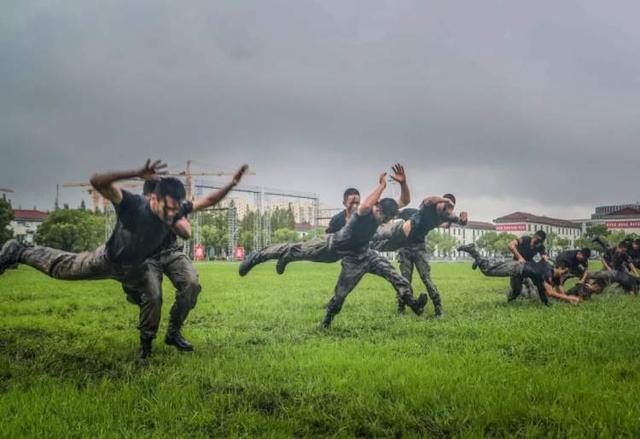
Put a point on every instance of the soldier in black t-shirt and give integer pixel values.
(577, 261)
(176, 265)
(350, 201)
(142, 227)
(633, 250)
(544, 277)
(408, 237)
(318, 249)
(524, 249)
(618, 267)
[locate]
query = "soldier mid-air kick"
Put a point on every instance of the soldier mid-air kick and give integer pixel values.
(143, 227)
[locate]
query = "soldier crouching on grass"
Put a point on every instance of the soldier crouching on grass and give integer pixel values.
(545, 278)
(143, 225)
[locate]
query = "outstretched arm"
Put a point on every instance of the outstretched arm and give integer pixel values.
(558, 294)
(366, 206)
(104, 183)
(182, 228)
(513, 248)
(400, 177)
(215, 197)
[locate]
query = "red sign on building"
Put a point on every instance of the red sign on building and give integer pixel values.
(238, 254)
(623, 224)
(198, 252)
(511, 227)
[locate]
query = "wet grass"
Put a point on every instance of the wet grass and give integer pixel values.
(262, 368)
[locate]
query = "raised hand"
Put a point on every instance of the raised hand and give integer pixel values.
(152, 171)
(238, 175)
(398, 173)
(464, 218)
(383, 179)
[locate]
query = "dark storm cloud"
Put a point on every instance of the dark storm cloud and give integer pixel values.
(511, 106)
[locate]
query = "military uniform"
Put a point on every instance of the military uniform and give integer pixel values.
(412, 249)
(138, 234)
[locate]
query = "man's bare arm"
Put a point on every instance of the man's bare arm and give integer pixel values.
(513, 248)
(215, 197)
(182, 228)
(559, 294)
(400, 177)
(436, 200)
(104, 183)
(366, 206)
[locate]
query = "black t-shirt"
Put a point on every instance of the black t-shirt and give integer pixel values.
(569, 259)
(355, 236)
(538, 272)
(337, 222)
(528, 252)
(617, 261)
(423, 221)
(138, 234)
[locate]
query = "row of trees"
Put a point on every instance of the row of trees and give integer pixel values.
(80, 230)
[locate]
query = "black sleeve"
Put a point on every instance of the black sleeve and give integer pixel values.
(543, 250)
(406, 214)
(128, 201)
(332, 224)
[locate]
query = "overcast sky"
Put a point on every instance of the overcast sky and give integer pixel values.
(510, 105)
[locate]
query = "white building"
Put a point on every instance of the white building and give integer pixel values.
(26, 223)
(522, 223)
(615, 218)
(466, 234)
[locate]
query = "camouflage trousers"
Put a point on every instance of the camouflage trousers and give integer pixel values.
(627, 281)
(180, 270)
(95, 265)
(416, 255)
(354, 267)
(315, 250)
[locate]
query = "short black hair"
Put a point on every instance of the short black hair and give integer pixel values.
(149, 187)
(450, 197)
(636, 241)
(350, 191)
(586, 252)
(388, 207)
(540, 234)
(169, 186)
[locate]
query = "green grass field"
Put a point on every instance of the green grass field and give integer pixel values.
(262, 368)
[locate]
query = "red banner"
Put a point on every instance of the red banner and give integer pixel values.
(198, 252)
(511, 227)
(238, 255)
(622, 224)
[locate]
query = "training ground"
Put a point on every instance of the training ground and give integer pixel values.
(262, 368)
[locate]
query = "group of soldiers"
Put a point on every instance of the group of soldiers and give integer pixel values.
(143, 247)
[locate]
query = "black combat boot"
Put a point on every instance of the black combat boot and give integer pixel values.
(326, 322)
(10, 254)
(249, 262)
(175, 338)
(437, 306)
(281, 265)
(417, 306)
(145, 348)
(472, 251)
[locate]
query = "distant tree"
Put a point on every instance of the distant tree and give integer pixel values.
(551, 241)
(71, 230)
(563, 244)
(501, 244)
(284, 235)
(246, 240)
(282, 218)
(82, 205)
(440, 242)
(6, 216)
(486, 241)
(594, 230)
